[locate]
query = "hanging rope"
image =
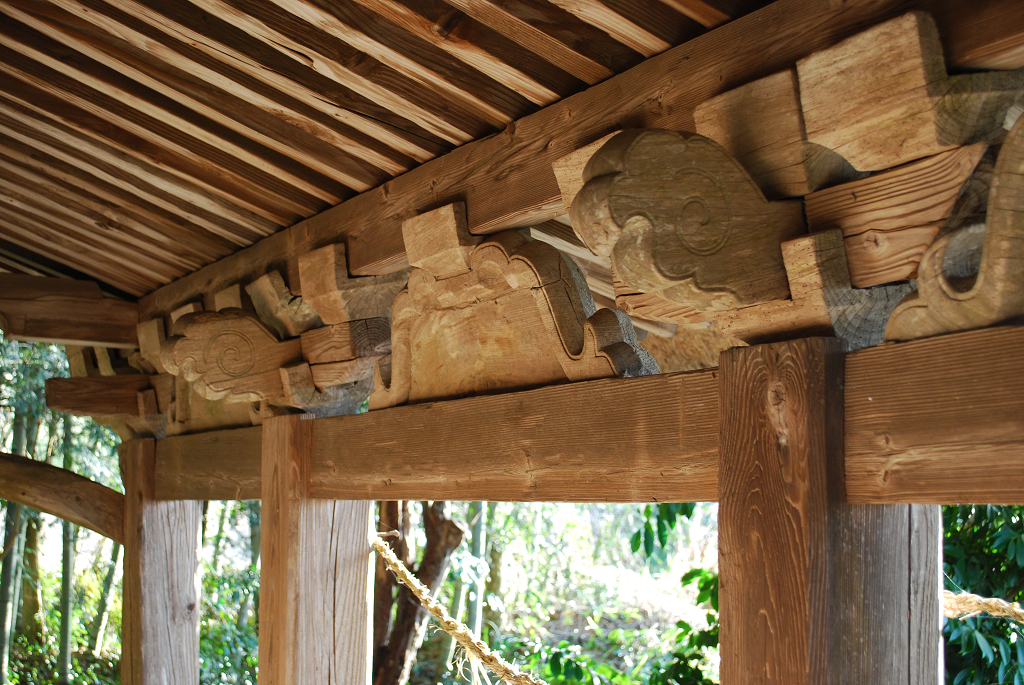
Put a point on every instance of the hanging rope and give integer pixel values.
(474, 647)
(965, 605)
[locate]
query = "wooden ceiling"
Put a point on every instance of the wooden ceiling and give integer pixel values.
(143, 139)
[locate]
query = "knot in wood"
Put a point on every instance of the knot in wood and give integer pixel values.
(777, 395)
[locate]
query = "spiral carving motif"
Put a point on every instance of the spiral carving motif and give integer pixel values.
(233, 353)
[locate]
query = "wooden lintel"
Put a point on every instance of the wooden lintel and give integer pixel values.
(63, 494)
(97, 396)
(55, 310)
(506, 180)
(933, 421)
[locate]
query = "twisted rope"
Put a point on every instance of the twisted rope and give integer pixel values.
(475, 648)
(966, 605)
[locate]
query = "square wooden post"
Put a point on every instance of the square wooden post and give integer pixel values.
(317, 571)
(161, 601)
(813, 591)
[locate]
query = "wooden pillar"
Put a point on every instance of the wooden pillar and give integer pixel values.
(813, 590)
(317, 571)
(160, 620)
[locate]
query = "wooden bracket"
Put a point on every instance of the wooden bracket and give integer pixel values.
(337, 298)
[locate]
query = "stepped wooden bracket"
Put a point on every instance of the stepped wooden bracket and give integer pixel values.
(278, 308)
(960, 289)
(521, 317)
(882, 97)
(337, 298)
(62, 311)
(681, 218)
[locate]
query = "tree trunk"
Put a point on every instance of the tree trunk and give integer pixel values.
(31, 597)
(492, 616)
(67, 578)
(10, 561)
(99, 621)
(410, 626)
(478, 519)
(225, 507)
(245, 610)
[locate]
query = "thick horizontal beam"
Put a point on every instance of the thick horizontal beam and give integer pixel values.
(99, 396)
(56, 310)
(507, 181)
(933, 421)
(63, 494)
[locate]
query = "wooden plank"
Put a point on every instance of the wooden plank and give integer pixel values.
(507, 181)
(216, 465)
(63, 494)
(814, 590)
(41, 309)
(937, 421)
(99, 397)
(316, 560)
(540, 445)
(926, 619)
(160, 626)
(646, 26)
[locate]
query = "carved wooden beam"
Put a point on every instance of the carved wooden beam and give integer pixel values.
(57, 310)
(63, 494)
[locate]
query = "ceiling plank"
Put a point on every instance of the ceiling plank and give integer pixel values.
(282, 136)
(703, 12)
(564, 40)
(478, 46)
(647, 26)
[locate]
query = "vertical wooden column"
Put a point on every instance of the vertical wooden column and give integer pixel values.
(160, 620)
(813, 590)
(317, 571)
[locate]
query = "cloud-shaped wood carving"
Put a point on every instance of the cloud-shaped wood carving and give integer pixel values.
(680, 217)
(522, 316)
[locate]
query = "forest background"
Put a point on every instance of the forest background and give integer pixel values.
(577, 594)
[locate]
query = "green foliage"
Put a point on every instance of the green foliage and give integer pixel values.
(984, 554)
(227, 650)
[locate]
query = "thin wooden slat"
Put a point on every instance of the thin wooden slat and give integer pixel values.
(216, 465)
(63, 494)
(547, 444)
(573, 45)
(647, 26)
(706, 13)
(507, 180)
(224, 108)
(937, 421)
(226, 44)
(478, 46)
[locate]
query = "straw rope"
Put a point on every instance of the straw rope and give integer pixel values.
(965, 605)
(475, 648)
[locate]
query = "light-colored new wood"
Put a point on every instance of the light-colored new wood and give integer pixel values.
(882, 97)
(825, 596)
(522, 317)
(890, 219)
(151, 335)
(62, 311)
(327, 288)
(105, 396)
(439, 241)
(681, 218)
(343, 341)
(822, 300)
(317, 571)
(63, 494)
(214, 465)
(569, 169)
(287, 314)
(228, 356)
(160, 624)
(762, 126)
(951, 297)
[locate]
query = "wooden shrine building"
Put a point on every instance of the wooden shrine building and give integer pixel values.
(246, 218)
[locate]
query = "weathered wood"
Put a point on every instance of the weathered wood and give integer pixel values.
(951, 297)
(104, 396)
(348, 340)
(926, 619)
(327, 288)
(63, 494)
(937, 421)
(681, 218)
(890, 219)
(762, 126)
(278, 308)
(569, 169)
(161, 578)
(823, 597)
(316, 559)
(62, 311)
(883, 98)
(522, 317)
(216, 465)
(228, 355)
(439, 241)
(506, 180)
